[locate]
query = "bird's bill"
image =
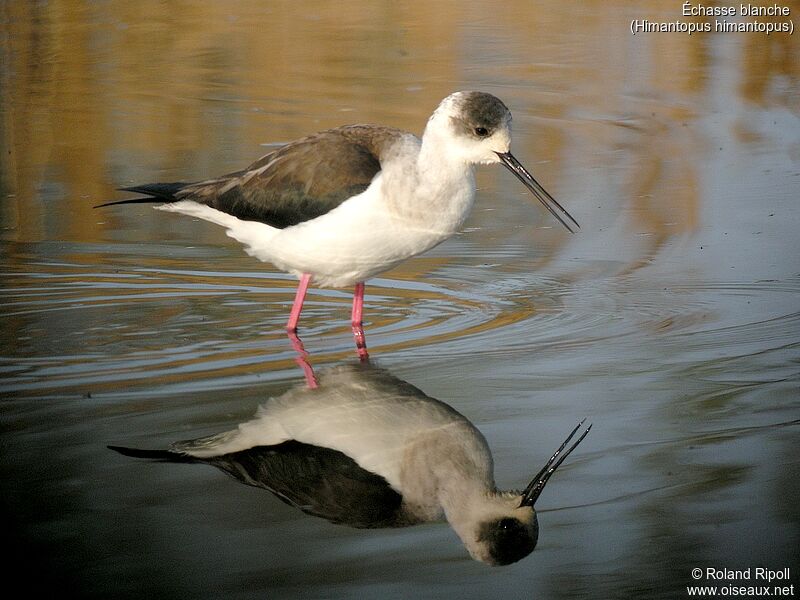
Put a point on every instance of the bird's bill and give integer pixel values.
(521, 173)
(535, 487)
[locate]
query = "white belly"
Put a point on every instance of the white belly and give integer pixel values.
(352, 243)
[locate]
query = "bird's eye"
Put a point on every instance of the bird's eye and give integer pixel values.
(481, 131)
(507, 523)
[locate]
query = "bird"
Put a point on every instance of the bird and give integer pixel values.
(341, 206)
(367, 449)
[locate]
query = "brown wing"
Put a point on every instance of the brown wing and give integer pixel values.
(302, 180)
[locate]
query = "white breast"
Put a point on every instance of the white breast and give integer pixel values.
(356, 241)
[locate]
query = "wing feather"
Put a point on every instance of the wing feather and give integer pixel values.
(302, 180)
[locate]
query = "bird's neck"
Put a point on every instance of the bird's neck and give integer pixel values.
(447, 471)
(443, 189)
(460, 499)
(438, 153)
(467, 507)
(464, 481)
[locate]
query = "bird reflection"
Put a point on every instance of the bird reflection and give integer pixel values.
(366, 449)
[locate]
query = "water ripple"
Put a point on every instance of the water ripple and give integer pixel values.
(101, 322)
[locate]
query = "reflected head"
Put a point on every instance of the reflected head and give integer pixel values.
(508, 540)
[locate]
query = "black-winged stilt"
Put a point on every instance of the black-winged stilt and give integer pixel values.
(343, 205)
(367, 449)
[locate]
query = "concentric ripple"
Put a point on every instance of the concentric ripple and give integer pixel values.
(93, 321)
(98, 321)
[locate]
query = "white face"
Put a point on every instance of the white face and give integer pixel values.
(486, 149)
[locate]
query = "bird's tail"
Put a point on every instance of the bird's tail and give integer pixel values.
(257, 237)
(153, 192)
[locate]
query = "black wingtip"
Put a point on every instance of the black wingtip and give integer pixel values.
(158, 455)
(148, 200)
(153, 192)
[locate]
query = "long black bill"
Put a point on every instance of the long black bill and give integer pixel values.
(521, 173)
(535, 487)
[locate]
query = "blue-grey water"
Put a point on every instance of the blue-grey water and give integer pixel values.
(671, 320)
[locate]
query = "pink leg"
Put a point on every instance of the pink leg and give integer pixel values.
(355, 320)
(302, 356)
(358, 305)
(299, 297)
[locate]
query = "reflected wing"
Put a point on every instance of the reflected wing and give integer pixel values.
(300, 181)
(319, 481)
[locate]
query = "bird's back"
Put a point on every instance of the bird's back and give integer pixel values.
(301, 180)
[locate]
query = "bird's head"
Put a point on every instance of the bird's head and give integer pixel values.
(475, 128)
(504, 532)
(505, 527)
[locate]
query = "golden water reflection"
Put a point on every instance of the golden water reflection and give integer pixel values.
(95, 96)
